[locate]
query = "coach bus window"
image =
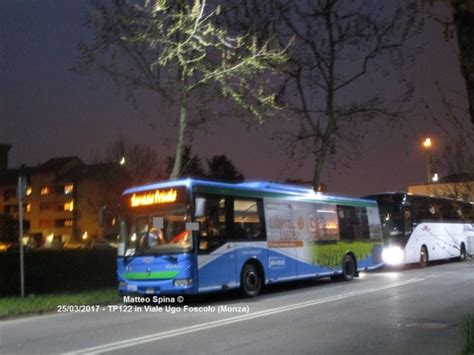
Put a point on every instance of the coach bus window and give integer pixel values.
(424, 210)
(212, 224)
(247, 220)
(392, 218)
(467, 211)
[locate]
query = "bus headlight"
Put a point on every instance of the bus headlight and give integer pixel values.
(183, 282)
(393, 256)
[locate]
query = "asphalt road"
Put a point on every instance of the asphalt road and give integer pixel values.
(414, 311)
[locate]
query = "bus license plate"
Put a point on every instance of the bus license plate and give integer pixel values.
(132, 288)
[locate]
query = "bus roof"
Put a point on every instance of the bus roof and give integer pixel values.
(410, 195)
(253, 189)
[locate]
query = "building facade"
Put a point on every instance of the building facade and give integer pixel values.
(458, 186)
(62, 200)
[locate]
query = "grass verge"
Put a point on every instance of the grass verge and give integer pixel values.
(467, 331)
(14, 306)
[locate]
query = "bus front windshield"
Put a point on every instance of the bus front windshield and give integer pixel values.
(163, 232)
(392, 218)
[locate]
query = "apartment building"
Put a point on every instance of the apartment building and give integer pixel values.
(63, 199)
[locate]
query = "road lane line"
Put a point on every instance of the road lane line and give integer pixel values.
(213, 324)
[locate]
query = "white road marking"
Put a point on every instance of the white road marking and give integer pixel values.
(208, 325)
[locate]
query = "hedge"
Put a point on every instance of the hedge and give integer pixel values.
(49, 271)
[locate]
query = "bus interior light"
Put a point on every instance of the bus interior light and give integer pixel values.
(393, 256)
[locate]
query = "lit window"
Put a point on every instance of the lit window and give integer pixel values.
(68, 189)
(69, 206)
(45, 190)
(29, 190)
(68, 223)
(28, 207)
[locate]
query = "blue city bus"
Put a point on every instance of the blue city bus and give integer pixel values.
(193, 236)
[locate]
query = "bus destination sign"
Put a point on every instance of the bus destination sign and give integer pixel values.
(156, 197)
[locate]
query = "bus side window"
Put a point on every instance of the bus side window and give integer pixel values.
(353, 223)
(347, 222)
(247, 220)
(362, 232)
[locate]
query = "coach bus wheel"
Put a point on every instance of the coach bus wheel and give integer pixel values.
(348, 268)
(463, 255)
(423, 256)
(251, 282)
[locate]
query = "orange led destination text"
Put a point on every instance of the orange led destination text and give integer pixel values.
(153, 198)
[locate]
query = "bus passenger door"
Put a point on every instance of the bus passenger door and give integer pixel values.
(216, 258)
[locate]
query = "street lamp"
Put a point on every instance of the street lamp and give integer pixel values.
(427, 145)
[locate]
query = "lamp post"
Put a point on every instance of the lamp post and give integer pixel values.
(427, 146)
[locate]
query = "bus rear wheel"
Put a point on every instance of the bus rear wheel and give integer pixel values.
(463, 255)
(423, 257)
(251, 281)
(348, 268)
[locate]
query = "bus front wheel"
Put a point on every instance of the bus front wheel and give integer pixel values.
(348, 268)
(251, 281)
(423, 256)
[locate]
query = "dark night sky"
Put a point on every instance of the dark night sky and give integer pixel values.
(48, 111)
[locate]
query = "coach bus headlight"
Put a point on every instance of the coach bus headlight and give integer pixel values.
(183, 282)
(393, 256)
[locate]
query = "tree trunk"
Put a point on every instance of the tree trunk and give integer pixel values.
(325, 143)
(318, 167)
(330, 98)
(183, 123)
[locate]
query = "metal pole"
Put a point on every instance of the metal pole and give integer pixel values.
(20, 211)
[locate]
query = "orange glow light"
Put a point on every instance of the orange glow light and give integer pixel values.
(44, 190)
(427, 143)
(153, 198)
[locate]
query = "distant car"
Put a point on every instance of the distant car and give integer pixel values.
(73, 246)
(101, 244)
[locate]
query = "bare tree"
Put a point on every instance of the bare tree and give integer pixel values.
(139, 161)
(177, 50)
(457, 166)
(456, 162)
(457, 18)
(336, 50)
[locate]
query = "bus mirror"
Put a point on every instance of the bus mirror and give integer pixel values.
(200, 207)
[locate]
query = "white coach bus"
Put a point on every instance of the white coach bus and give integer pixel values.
(419, 229)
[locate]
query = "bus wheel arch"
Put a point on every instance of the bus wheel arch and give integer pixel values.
(424, 256)
(349, 267)
(252, 278)
(463, 252)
